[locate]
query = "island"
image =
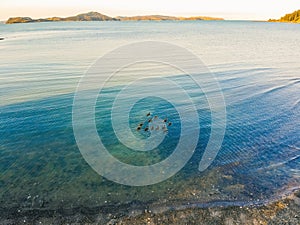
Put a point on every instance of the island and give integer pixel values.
(160, 18)
(91, 16)
(95, 16)
(288, 18)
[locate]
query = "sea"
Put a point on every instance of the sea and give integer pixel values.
(249, 73)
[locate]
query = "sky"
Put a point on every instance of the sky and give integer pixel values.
(228, 9)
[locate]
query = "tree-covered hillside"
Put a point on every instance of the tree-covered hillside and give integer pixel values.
(292, 17)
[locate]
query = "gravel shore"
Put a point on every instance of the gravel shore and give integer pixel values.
(285, 211)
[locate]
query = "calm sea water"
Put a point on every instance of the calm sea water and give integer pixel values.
(257, 66)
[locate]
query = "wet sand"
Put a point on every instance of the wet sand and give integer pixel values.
(285, 211)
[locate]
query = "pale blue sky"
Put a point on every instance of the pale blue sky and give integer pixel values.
(228, 9)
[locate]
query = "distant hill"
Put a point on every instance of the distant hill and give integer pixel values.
(289, 18)
(91, 16)
(95, 16)
(160, 18)
(150, 17)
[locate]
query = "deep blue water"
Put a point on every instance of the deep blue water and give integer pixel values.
(256, 64)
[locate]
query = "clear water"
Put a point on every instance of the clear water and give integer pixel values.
(257, 65)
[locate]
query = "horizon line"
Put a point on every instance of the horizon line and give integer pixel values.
(152, 14)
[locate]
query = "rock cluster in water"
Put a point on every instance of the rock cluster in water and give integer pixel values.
(153, 123)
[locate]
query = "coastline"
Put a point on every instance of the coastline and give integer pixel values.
(285, 210)
(283, 22)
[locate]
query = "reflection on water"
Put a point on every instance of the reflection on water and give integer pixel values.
(41, 165)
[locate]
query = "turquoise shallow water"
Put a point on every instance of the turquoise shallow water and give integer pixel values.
(255, 63)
